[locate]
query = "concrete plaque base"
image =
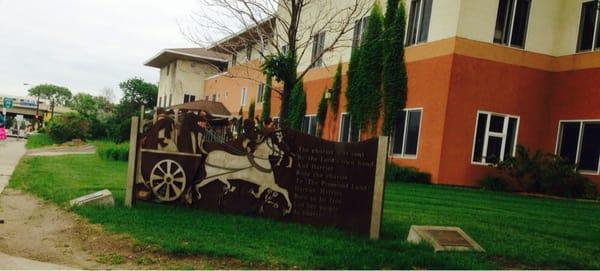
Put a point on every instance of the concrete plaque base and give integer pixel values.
(103, 197)
(443, 238)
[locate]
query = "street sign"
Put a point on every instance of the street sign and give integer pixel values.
(8, 103)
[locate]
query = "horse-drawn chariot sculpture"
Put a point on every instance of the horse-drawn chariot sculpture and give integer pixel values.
(179, 160)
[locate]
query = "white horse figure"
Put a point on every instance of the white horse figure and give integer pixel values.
(254, 168)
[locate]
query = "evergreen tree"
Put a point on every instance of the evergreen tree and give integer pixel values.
(352, 95)
(297, 106)
(369, 71)
(251, 110)
(336, 89)
(266, 111)
(394, 72)
(240, 121)
(390, 14)
(322, 113)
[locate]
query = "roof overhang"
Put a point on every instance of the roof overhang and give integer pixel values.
(167, 56)
(239, 40)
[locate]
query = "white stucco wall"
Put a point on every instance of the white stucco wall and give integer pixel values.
(188, 78)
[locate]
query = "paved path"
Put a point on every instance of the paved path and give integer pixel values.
(11, 152)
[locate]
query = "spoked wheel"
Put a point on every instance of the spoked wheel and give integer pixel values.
(167, 180)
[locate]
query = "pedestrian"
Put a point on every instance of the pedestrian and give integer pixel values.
(2, 125)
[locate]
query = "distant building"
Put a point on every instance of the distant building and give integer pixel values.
(183, 72)
(26, 106)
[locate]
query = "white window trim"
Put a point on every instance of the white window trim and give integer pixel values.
(495, 134)
(596, 31)
(510, 29)
(340, 128)
(417, 24)
(311, 117)
(579, 140)
(403, 155)
(243, 96)
(259, 95)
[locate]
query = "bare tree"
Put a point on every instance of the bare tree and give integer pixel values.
(282, 31)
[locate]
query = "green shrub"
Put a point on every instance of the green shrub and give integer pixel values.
(39, 140)
(112, 151)
(394, 173)
(67, 127)
(547, 174)
(494, 183)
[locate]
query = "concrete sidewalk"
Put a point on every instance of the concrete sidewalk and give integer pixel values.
(11, 152)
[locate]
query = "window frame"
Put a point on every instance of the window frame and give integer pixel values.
(358, 34)
(581, 123)
(403, 155)
(595, 39)
(511, 24)
(249, 52)
(349, 129)
(260, 93)
(243, 96)
(318, 47)
(312, 117)
(418, 23)
(487, 134)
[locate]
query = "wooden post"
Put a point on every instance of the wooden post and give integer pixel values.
(378, 188)
(142, 115)
(131, 169)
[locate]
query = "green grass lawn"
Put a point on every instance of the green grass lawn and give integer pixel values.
(516, 231)
(39, 140)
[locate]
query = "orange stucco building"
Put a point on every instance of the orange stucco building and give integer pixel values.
(486, 76)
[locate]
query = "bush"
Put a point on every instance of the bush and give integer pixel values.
(394, 173)
(118, 130)
(494, 183)
(547, 174)
(39, 140)
(67, 127)
(112, 151)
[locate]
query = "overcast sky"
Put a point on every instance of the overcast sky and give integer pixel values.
(86, 45)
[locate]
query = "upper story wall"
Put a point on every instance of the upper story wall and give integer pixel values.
(183, 77)
(552, 29)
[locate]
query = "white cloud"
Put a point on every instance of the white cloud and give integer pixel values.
(86, 45)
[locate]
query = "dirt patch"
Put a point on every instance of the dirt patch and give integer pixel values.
(42, 231)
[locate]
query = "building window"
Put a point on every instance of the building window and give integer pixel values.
(165, 101)
(579, 142)
(495, 137)
(511, 22)
(405, 138)
(168, 68)
(360, 26)
(418, 21)
(347, 132)
(260, 94)
(234, 59)
(244, 94)
(188, 98)
(309, 125)
(317, 50)
(285, 49)
(589, 25)
(249, 52)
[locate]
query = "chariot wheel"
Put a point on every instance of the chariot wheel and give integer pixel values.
(167, 180)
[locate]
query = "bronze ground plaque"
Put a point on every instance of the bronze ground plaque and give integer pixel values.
(443, 238)
(280, 174)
